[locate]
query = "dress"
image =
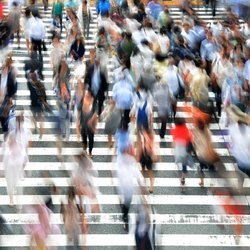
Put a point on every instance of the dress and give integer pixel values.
(14, 159)
(26, 26)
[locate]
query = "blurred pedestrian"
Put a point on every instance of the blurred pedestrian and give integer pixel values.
(26, 21)
(86, 121)
(182, 140)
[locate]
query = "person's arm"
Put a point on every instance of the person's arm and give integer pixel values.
(78, 115)
(52, 11)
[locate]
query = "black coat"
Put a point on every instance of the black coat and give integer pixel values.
(103, 83)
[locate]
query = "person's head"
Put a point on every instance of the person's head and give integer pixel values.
(171, 59)
(163, 30)
(102, 32)
(35, 13)
(92, 54)
(238, 48)
(79, 38)
(71, 194)
(198, 62)
(14, 4)
(56, 38)
(166, 11)
(186, 26)
(27, 12)
(179, 121)
(240, 62)
(200, 125)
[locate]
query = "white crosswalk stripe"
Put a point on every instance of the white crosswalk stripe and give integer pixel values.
(193, 212)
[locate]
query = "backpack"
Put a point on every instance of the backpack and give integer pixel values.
(104, 7)
(142, 117)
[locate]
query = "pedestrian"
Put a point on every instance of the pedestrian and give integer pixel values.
(182, 140)
(57, 11)
(164, 101)
(96, 80)
(14, 21)
(38, 101)
(15, 159)
(8, 89)
(204, 150)
(85, 16)
(130, 182)
(37, 33)
(77, 49)
(86, 121)
(71, 218)
(147, 156)
(26, 21)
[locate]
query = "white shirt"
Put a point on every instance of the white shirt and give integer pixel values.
(129, 176)
(171, 78)
(37, 29)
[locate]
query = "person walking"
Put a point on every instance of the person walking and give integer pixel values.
(86, 121)
(37, 33)
(85, 16)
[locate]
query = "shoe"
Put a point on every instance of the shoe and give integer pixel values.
(125, 226)
(201, 184)
(151, 191)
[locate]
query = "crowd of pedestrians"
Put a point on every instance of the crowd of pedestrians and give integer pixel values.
(158, 64)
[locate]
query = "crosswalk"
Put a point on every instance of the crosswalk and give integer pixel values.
(187, 221)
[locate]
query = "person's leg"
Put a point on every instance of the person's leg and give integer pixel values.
(218, 100)
(213, 2)
(110, 143)
(91, 142)
(88, 25)
(34, 45)
(152, 180)
(201, 173)
(125, 210)
(41, 128)
(28, 45)
(183, 177)
(163, 126)
(18, 38)
(39, 46)
(84, 140)
(84, 26)
(101, 98)
(61, 23)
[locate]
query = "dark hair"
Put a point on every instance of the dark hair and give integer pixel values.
(35, 13)
(27, 12)
(179, 121)
(198, 62)
(71, 193)
(200, 124)
(163, 30)
(102, 31)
